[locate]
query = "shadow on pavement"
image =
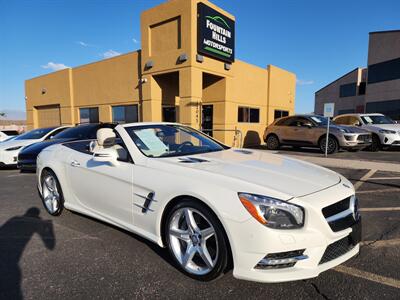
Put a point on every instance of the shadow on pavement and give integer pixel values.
(14, 236)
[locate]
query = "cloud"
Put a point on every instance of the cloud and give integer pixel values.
(304, 82)
(54, 66)
(83, 44)
(110, 53)
(135, 41)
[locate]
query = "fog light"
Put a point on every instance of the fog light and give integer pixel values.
(281, 259)
(15, 158)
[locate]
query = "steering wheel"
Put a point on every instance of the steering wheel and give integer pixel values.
(187, 143)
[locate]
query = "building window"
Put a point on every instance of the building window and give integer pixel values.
(89, 115)
(169, 114)
(280, 113)
(362, 87)
(390, 108)
(348, 90)
(125, 114)
(248, 115)
(384, 71)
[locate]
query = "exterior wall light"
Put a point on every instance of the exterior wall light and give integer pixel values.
(142, 80)
(227, 66)
(183, 57)
(44, 91)
(149, 64)
(199, 58)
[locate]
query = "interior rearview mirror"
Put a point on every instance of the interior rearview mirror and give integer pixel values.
(109, 155)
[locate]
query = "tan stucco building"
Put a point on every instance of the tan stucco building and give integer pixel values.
(179, 75)
(375, 89)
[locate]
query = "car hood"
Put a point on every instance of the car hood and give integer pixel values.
(15, 143)
(276, 172)
(37, 147)
(377, 127)
(349, 129)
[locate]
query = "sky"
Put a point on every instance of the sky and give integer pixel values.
(317, 40)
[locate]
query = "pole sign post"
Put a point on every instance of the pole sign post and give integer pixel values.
(329, 110)
(215, 34)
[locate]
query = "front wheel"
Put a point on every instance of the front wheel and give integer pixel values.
(333, 145)
(52, 196)
(196, 240)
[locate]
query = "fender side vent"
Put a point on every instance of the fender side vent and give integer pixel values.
(192, 160)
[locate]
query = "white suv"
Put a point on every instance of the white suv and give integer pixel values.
(385, 131)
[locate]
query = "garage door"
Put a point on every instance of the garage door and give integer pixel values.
(48, 116)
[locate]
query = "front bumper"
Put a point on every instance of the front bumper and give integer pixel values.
(390, 139)
(252, 241)
(354, 140)
(8, 158)
(27, 165)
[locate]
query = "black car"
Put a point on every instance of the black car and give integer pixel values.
(27, 156)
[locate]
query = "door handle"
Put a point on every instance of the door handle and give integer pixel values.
(74, 163)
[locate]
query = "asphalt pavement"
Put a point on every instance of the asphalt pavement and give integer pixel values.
(76, 257)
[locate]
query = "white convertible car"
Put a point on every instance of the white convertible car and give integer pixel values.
(270, 217)
(10, 149)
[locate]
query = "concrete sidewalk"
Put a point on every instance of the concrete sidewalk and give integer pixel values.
(350, 163)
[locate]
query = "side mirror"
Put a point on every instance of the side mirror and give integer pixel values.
(109, 155)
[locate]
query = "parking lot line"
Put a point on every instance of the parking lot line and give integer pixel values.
(367, 209)
(379, 191)
(369, 276)
(384, 178)
(360, 182)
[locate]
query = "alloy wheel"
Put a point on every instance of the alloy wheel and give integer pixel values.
(50, 194)
(193, 241)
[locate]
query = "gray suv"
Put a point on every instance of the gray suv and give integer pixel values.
(310, 131)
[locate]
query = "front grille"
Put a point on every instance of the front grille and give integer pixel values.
(364, 137)
(343, 222)
(336, 208)
(336, 250)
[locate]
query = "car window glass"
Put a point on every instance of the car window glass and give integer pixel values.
(34, 134)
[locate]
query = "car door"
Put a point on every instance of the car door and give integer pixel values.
(100, 187)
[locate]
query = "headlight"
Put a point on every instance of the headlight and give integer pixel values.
(345, 130)
(14, 148)
(272, 212)
(385, 131)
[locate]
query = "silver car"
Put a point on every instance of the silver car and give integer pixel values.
(385, 131)
(310, 131)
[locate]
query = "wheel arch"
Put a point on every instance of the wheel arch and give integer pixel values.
(180, 198)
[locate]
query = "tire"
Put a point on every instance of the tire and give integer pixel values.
(376, 144)
(52, 196)
(272, 142)
(333, 145)
(199, 257)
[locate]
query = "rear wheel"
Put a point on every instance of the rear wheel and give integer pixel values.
(196, 240)
(52, 196)
(333, 145)
(272, 142)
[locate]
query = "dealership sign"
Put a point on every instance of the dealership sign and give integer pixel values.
(215, 34)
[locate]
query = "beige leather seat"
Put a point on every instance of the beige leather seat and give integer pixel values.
(106, 140)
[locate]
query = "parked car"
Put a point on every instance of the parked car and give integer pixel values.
(27, 156)
(274, 218)
(9, 149)
(310, 131)
(385, 131)
(6, 134)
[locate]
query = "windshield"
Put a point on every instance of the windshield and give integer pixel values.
(34, 134)
(321, 121)
(171, 140)
(377, 120)
(82, 132)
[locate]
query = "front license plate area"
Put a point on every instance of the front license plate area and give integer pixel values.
(355, 235)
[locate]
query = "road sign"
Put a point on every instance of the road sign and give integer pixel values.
(329, 110)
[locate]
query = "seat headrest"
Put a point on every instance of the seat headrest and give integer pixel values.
(106, 137)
